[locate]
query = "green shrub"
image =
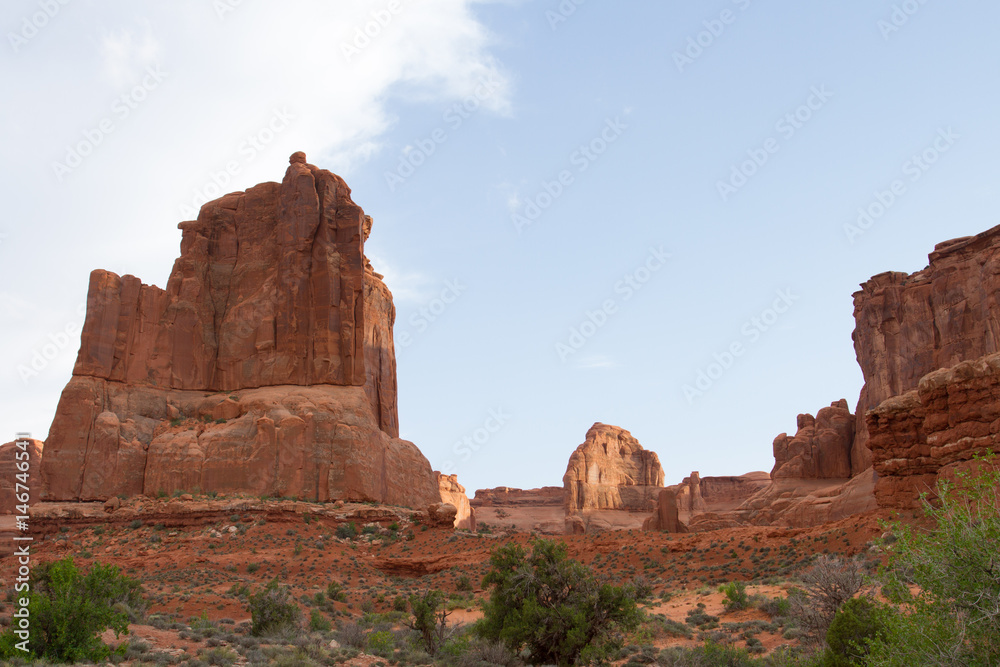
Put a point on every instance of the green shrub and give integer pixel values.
(318, 622)
(736, 597)
(429, 619)
(381, 642)
(776, 607)
(464, 583)
(272, 611)
(347, 531)
(856, 625)
(955, 616)
(335, 591)
(399, 603)
(554, 606)
(68, 611)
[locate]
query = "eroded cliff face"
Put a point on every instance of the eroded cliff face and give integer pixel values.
(934, 430)
(911, 325)
(453, 493)
(266, 365)
(612, 471)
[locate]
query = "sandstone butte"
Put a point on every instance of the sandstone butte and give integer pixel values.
(266, 366)
(611, 470)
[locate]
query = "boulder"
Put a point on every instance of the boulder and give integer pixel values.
(442, 515)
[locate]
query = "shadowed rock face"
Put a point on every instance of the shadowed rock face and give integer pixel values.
(665, 516)
(911, 325)
(934, 430)
(266, 365)
(611, 470)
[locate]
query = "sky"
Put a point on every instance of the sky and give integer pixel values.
(646, 214)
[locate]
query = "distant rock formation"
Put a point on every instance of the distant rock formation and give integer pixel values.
(611, 471)
(934, 430)
(821, 447)
(539, 510)
(696, 494)
(505, 496)
(453, 493)
(12, 464)
(911, 325)
(665, 516)
(266, 365)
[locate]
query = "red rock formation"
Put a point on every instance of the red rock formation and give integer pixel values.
(697, 494)
(611, 470)
(934, 430)
(911, 325)
(665, 516)
(505, 496)
(270, 325)
(453, 493)
(539, 510)
(821, 447)
(12, 460)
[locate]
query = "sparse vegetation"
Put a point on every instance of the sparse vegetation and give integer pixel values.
(554, 607)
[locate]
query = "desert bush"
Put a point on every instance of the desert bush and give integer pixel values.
(429, 618)
(776, 607)
(353, 635)
(347, 531)
(828, 584)
(856, 625)
(553, 606)
(335, 591)
(69, 610)
(272, 611)
(735, 595)
(318, 622)
(954, 618)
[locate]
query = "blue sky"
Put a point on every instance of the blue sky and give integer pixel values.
(563, 150)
